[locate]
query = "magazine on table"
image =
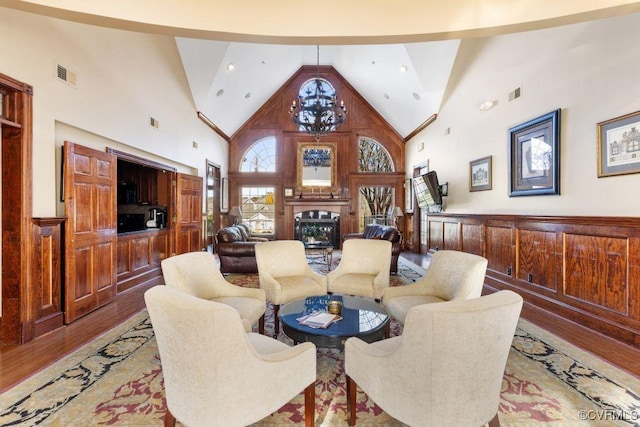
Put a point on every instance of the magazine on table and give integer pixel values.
(319, 319)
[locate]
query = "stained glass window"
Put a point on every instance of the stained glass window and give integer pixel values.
(373, 157)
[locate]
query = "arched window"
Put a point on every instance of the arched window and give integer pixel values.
(260, 157)
(322, 92)
(373, 157)
(375, 202)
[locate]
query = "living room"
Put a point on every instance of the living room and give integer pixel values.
(586, 68)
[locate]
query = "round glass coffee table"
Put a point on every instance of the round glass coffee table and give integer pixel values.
(362, 318)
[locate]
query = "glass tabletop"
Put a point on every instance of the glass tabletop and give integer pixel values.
(360, 316)
(317, 245)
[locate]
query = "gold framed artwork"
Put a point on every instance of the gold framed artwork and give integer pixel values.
(316, 167)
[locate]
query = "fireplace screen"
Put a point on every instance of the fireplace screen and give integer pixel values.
(318, 226)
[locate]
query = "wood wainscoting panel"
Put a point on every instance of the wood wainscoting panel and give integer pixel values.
(47, 307)
(500, 249)
(452, 236)
(436, 235)
(473, 239)
(596, 271)
(634, 279)
(537, 258)
(585, 270)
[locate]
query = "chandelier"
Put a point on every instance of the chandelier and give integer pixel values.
(317, 111)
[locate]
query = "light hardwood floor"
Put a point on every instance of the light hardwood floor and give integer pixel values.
(19, 362)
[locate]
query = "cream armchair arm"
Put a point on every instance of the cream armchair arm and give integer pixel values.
(366, 352)
(271, 287)
(231, 290)
(402, 291)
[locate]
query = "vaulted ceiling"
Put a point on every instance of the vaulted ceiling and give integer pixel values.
(405, 83)
(397, 54)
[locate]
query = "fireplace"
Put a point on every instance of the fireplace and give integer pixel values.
(317, 225)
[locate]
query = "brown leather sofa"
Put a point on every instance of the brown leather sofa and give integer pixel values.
(236, 249)
(383, 232)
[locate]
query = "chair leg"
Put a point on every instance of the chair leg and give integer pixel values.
(276, 320)
(310, 405)
(352, 387)
(169, 419)
(495, 421)
(261, 325)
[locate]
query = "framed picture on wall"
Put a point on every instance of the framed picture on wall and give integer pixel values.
(534, 158)
(619, 145)
(480, 174)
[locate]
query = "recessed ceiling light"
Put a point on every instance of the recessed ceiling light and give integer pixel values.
(404, 68)
(220, 92)
(231, 66)
(486, 105)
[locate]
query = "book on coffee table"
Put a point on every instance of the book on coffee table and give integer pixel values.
(319, 319)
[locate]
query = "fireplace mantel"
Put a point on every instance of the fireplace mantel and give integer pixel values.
(318, 204)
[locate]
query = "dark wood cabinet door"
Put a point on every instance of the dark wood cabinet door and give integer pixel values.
(90, 233)
(188, 224)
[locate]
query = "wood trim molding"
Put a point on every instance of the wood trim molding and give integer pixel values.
(121, 155)
(213, 126)
(421, 127)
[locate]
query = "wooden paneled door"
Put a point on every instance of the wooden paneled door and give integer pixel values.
(90, 178)
(188, 223)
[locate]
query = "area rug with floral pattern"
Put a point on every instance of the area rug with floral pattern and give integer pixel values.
(117, 380)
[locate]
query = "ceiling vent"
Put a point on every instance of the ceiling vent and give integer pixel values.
(515, 94)
(154, 123)
(66, 75)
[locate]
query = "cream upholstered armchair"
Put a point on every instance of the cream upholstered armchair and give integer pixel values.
(363, 269)
(285, 274)
(445, 369)
(451, 275)
(197, 274)
(216, 374)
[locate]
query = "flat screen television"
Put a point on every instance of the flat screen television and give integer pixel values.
(427, 190)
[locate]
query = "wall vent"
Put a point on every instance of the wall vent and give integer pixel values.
(154, 123)
(515, 94)
(66, 75)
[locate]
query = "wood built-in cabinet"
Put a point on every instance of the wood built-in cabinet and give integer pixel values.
(583, 269)
(139, 255)
(99, 262)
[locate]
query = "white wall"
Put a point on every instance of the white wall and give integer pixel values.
(123, 79)
(591, 71)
